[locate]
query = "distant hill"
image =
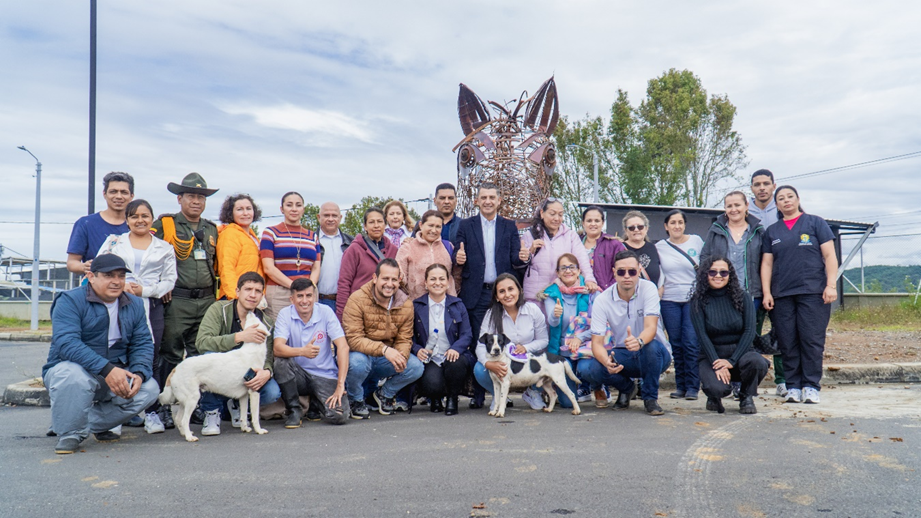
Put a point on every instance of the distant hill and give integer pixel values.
(884, 279)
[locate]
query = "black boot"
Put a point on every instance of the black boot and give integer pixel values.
(451, 407)
(292, 403)
(747, 404)
(435, 405)
(715, 405)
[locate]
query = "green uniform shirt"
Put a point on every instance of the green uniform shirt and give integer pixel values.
(192, 272)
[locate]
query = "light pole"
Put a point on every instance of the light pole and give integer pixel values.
(35, 245)
(595, 167)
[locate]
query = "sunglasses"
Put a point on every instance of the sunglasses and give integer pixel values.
(627, 272)
(568, 268)
(635, 228)
(721, 273)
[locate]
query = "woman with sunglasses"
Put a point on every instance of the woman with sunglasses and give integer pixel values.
(724, 320)
(544, 243)
(523, 323)
(678, 258)
(600, 247)
(636, 228)
(799, 272)
(568, 306)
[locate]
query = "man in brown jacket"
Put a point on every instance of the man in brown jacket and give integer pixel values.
(378, 324)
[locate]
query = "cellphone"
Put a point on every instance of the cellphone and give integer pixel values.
(250, 374)
(130, 382)
(613, 359)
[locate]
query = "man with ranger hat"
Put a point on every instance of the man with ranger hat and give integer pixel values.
(194, 239)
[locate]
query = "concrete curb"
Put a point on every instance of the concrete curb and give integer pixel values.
(23, 394)
(25, 337)
(844, 374)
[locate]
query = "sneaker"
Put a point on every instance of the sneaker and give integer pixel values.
(135, 422)
(233, 408)
(782, 389)
(583, 395)
(109, 435)
(371, 403)
(652, 407)
(198, 417)
(385, 404)
(401, 406)
(153, 424)
(313, 414)
(601, 399)
(810, 395)
(166, 417)
(736, 390)
(533, 398)
(794, 396)
(67, 445)
(359, 410)
(212, 423)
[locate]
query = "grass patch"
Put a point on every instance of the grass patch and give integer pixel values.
(904, 317)
(8, 323)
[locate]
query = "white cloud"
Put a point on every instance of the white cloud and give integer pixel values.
(290, 117)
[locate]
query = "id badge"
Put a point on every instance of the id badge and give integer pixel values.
(199, 254)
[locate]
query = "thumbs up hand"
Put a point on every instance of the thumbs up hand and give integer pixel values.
(311, 350)
(461, 257)
(524, 255)
(631, 342)
(558, 309)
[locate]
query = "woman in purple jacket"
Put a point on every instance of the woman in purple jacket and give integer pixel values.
(600, 247)
(361, 257)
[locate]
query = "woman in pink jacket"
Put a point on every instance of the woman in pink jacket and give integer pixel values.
(544, 243)
(418, 253)
(361, 257)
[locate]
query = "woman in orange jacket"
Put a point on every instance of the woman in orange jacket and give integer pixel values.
(237, 244)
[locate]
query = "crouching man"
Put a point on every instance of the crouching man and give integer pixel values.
(378, 323)
(306, 361)
(100, 366)
(221, 330)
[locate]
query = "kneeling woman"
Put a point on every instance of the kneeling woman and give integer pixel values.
(523, 323)
(724, 319)
(441, 340)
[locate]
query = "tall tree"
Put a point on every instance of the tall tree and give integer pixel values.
(353, 222)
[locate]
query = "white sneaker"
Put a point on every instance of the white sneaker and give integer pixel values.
(117, 430)
(401, 406)
(212, 425)
(794, 396)
(810, 395)
(152, 423)
(234, 409)
(782, 389)
(533, 398)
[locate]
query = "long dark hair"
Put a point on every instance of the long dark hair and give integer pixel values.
(537, 224)
(799, 206)
(496, 306)
(700, 295)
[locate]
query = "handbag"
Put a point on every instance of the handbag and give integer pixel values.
(766, 344)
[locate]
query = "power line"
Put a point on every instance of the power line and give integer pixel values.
(895, 158)
(884, 237)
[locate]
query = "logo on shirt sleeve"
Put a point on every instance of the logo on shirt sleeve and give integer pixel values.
(804, 240)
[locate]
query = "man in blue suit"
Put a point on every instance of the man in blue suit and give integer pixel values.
(486, 245)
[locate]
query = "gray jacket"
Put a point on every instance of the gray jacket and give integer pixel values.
(717, 243)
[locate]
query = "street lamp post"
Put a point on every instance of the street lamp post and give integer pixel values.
(35, 245)
(595, 167)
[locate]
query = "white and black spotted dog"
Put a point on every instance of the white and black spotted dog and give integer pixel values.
(544, 370)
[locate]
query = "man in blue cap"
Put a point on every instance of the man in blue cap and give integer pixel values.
(99, 371)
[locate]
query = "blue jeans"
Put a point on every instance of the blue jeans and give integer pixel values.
(81, 403)
(647, 364)
(268, 394)
(681, 334)
(331, 304)
(364, 368)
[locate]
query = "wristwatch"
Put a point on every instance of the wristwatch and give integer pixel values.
(640, 340)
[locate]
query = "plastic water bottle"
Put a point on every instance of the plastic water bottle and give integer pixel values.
(430, 346)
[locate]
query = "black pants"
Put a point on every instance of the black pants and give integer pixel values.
(801, 322)
(447, 379)
(293, 381)
(156, 326)
(751, 369)
(476, 315)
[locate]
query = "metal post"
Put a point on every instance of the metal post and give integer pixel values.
(863, 280)
(36, 244)
(595, 185)
(91, 195)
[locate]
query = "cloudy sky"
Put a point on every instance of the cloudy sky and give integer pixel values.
(344, 99)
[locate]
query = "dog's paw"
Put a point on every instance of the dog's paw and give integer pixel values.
(191, 438)
(546, 409)
(500, 415)
(245, 429)
(492, 412)
(576, 411)
(261, 431)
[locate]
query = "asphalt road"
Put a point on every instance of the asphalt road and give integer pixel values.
(856, 455)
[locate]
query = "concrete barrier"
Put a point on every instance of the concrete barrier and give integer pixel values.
(875, 300)
(23, 309)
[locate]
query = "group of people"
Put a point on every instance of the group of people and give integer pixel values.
(380, 320)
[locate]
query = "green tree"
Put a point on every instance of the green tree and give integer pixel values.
(310, 219)
(353, 222)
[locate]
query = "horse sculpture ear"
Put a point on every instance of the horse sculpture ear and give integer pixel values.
(471, 110)
(543, 109)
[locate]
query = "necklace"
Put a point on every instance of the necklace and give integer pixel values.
(297, 263)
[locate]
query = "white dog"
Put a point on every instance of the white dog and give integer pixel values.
(545, 370)
(220, 373)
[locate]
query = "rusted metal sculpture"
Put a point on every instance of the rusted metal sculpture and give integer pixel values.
(511, 150)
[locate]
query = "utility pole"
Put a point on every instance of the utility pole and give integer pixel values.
(35, 245)
(91, 195)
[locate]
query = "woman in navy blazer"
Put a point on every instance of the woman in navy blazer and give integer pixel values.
(441, 340)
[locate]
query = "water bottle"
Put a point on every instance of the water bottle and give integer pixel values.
(430, 345)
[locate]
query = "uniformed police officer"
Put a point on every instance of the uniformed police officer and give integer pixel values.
(194, 239)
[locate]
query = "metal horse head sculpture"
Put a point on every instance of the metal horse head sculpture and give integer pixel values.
(508, 149)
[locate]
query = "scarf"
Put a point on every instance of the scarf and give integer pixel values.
(395, 235)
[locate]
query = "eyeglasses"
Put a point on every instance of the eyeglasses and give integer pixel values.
(627, 272)
(636, 228)
(568, 268)
(721, 273)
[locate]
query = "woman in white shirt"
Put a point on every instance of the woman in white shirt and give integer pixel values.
(523, 323)
(678, 258)
(153, 274)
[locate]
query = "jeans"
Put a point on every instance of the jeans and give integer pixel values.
(676, 316)
(373, 368)
(268, 394)
(81, 403)
(331, 304)
(648, 364)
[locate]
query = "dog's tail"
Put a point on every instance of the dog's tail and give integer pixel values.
(167, 397)
(570, 374)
